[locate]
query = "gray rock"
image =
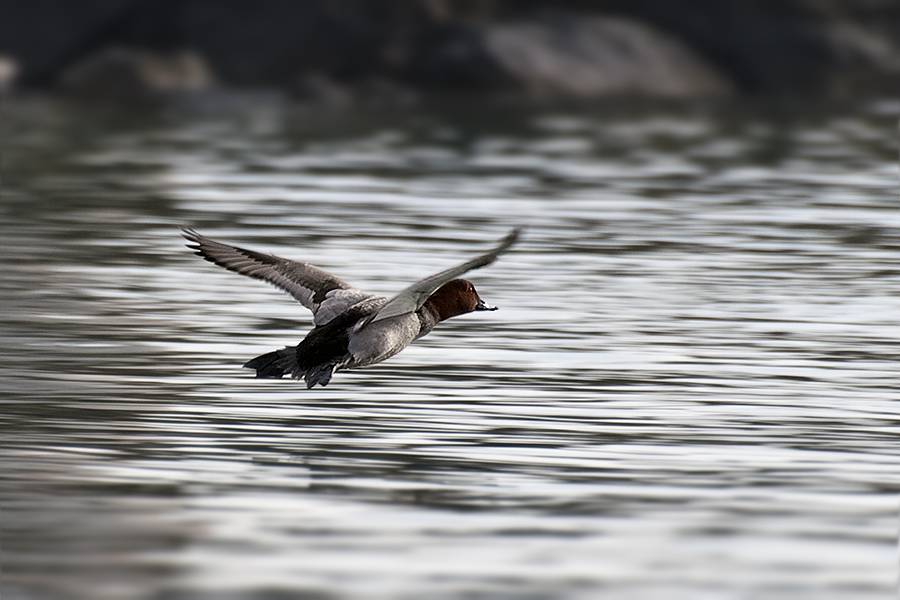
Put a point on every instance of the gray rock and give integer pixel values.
(597, 56)
(9, 68)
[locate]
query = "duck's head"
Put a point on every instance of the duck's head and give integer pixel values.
(456, 297)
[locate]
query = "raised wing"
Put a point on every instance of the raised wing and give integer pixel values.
(413, 297)
(311, 286)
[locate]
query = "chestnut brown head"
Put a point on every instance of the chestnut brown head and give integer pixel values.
(456, 297)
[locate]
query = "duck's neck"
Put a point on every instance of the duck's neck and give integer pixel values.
(440, 310)
(428, 318)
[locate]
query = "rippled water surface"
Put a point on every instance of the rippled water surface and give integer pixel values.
(689, 390)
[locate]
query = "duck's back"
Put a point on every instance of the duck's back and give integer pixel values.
(330, 343)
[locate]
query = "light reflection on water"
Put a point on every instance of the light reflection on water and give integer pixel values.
(688, 391)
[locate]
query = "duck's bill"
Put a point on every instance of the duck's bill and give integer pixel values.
(482, 306)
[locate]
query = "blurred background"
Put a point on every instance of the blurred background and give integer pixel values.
(689, 391)
(393, 50)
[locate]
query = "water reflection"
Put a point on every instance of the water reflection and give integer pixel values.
(687, 392)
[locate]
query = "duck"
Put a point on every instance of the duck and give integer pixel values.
(351, 328)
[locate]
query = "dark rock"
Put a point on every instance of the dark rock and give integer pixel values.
(568, 56)
(321, 89)
(268, 42)
(867, 55)
(456, 58)
(767, 46)
(762, 47)
(383, 91)
(317, 88)
(135, 76)
(46, 36)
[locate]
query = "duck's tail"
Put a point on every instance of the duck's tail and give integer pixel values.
(275, 364)
(283, 362)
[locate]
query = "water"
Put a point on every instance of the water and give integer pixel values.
(689, 391)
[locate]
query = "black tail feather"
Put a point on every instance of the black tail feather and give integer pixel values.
(320, 374)
(275, 364)
(283, 362)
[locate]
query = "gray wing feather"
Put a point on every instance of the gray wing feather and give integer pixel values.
(413, 297)
(308, 284)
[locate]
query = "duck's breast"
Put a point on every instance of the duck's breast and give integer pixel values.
(382, 339)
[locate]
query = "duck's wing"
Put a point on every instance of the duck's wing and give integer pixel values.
(413, 297)
(319, 291)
